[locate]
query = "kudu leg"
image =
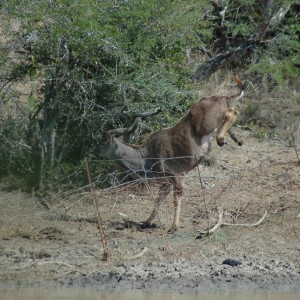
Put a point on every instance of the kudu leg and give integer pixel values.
(231, 116)
(235, 138)
(177, 204)
(163, 192)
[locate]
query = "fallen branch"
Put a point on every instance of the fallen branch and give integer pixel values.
(248, 225)
(55, 263)
(139, 255)
(220, 223)
(123, 216)
(213, 64)
(215, 228)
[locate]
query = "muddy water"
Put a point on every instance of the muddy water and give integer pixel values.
(91, 294)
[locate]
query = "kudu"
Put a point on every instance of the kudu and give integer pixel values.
(169, 154)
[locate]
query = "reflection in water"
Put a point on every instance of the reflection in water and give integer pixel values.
(93, 294)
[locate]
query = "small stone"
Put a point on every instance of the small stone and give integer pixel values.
(231, 262)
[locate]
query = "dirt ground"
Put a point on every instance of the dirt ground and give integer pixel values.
(60, 245)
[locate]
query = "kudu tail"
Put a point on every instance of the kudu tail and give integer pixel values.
(238, 96)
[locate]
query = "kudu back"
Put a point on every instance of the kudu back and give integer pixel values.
(169, 154)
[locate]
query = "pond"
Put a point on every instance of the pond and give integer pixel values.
(93, 294)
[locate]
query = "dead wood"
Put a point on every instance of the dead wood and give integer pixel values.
(220, 223)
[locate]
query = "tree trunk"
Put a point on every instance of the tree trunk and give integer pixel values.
(212, 65)
(38, 157)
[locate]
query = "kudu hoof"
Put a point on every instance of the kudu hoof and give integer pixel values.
(221, 142)
(172, 230)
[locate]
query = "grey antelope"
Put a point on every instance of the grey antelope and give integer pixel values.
(169, 154)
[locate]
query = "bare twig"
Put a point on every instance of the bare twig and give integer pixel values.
(99, 220)
(202, 190)
(32, 241)
(295, 148)
(166, 244)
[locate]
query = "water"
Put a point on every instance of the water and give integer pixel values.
(93, 294)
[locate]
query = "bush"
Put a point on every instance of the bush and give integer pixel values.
(89, 65)
(14, 155)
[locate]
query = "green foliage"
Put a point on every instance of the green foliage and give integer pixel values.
(31, 99)
(13, 155)
(277, 58)
(261, 132)
(32, 75)
(92, 64)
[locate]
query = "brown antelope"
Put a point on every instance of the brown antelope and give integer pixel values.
(169, 154)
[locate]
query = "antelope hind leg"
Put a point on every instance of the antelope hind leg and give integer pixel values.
(177, 206)
(163, 192)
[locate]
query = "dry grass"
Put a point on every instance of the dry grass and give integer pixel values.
(244, 181)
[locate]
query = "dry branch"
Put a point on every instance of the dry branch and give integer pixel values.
(61, 263)
(202, 189)
(139, 255)
(212, 65)
(215, 228)
(123, 215)
(220, 223)
(293, 138)
(99, 220)
(247, 224)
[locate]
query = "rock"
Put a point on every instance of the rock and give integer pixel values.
(231, 262)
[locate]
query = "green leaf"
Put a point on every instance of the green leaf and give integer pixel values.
(31, 102)
(32, 72)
